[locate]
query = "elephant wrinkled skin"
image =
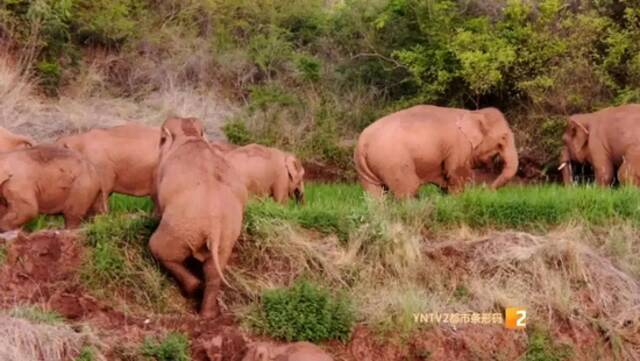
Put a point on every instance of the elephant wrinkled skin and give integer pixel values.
(433, 144)
(47, 179)
(269, 172)
(201, 204)
(126, 156)
(606, 139)
(299, 351)
(10, 141)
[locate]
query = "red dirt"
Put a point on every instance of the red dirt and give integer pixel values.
(42, 269)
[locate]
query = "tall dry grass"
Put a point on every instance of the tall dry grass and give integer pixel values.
(86, 104)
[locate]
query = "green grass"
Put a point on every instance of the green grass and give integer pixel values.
(36, 314)
(3, 254)
(541, 347)
(342, 208)
(174, 347)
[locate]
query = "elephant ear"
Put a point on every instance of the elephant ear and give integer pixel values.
(166, 138)
(578, 125)
(472, 126)
(294, 169)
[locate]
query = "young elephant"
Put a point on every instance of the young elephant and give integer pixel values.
(433, 144)
(10, 141)
(269, 172)
(299, 351)
(47, 179)
(126, 156)
(201, 205)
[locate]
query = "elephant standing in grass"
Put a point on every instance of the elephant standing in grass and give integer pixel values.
(47, 179)
(126, 156)
(201, 204)
(10, 141)
(606, 139)
(269, 172)
(430, 144)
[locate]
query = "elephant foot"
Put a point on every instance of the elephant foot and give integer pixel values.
(210, 307)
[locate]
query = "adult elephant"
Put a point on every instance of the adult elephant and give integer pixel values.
(606, 139)
(430, 144)
(126, 156)
(269, 172)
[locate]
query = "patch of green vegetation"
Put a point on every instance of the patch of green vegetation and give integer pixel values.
(3, 253)
(36, 314)
(119, 262)
(120, 203)
(174, 347)
(343, 208)
(304, 312)
(86, 354)
(541, 347)
(44, 222)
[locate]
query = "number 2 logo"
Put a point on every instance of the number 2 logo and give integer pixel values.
(515, 318)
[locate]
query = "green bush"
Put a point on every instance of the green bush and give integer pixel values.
(541, 347)
(305, 312)
(86, 354)
(174, 347)
(105, 22)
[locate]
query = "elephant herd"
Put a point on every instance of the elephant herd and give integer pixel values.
(200, 187)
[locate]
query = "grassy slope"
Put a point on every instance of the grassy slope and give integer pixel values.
(341, 239)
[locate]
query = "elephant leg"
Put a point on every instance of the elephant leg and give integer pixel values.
(374, 190)
(210, 307)
(172, 253)
(19, 211)
(403, 180)
(458, 173)
(603, 168)
(627, 173)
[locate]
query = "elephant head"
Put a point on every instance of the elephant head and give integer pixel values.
(576, 141)
(296, 176)
(175, 127)
(490, 135)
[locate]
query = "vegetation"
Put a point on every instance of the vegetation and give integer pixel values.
(174, 347)
(3, 254)
(119, 262)
(86, 354)
(312, 73)
(36, 314)
(542, 348)
(304, 312)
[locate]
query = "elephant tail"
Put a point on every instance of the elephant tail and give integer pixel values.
(364, 172)
(214, 247)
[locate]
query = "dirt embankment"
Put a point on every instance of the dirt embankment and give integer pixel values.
(43, 269)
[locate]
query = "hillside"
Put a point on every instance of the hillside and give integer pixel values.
(355, 275)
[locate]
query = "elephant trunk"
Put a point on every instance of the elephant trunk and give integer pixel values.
(509, 156)
(565, 167)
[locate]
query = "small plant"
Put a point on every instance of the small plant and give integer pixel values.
(174, 347)
(237, 133)
(542, 348)
(86, 354)
(3, 254)
(36, 314)
(305, 312)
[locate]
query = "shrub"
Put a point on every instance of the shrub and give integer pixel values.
(86, 354)
(174, 347)
(104, 22)
(542, 348)
(305, 312)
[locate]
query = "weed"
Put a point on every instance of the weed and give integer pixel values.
(174, 347)
(3, 254)
(86, 354)
(542, 348)
(305, 312)
(36, 314)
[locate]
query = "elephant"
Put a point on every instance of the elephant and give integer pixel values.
(605, 139)
(126, 156)
(201, 205)
(299, 351)
(269, 172)
(431, 144)
(47, 179)
(10, 141)
(222, 146)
